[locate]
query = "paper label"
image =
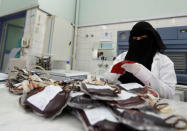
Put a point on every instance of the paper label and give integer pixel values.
(130, 86)
(98, 114)
(77, 94)
(25, 71)
(18, 84)
(120, 110)
(98, 87)
(41, 99)
(124, 95)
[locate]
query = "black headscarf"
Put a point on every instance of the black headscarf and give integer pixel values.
(142, 51)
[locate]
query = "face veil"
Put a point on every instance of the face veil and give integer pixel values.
(142, 51)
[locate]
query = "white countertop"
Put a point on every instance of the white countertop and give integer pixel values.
(176, 108)
(14, 118)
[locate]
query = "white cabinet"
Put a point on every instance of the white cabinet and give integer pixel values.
(61, 39)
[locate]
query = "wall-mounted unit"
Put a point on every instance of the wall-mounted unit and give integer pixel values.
(175, 39)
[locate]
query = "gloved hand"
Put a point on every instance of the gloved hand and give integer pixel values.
(139, 71)
(132, 68)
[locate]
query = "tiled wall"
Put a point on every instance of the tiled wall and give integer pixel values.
(85, 42)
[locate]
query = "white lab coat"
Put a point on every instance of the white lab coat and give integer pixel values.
(162, 76)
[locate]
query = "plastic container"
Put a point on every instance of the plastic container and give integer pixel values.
(68, 66)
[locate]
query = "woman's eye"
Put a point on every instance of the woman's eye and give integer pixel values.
(144, 36)
(134, 38)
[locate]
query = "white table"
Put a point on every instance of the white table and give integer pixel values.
(14, 118)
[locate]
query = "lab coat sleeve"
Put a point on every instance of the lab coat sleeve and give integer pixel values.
(165, 83)
(112, 77)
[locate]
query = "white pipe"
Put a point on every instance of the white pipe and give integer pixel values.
(76, 20)
(52, 19)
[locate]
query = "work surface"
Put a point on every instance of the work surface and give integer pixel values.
(14, 118)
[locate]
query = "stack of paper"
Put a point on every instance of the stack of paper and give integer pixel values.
(3, 76)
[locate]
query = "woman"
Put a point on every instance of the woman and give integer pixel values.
(152, 67)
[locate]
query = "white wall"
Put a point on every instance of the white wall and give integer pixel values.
(84, 61)
(107, 11)
(12, 6)
(62, 8)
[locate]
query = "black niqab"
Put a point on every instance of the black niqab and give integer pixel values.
(142, 51)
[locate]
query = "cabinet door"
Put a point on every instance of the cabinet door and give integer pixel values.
(61, 48)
